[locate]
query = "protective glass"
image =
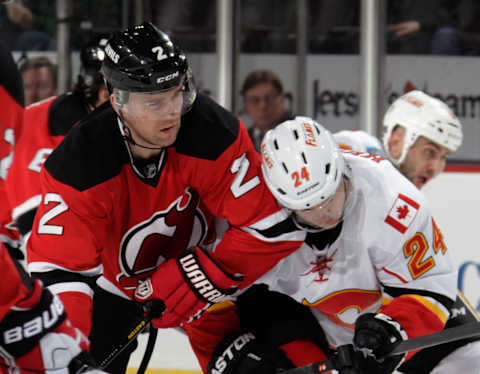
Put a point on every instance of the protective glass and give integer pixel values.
(155, 105)
(158, 102)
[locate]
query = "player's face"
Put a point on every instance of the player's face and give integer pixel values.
(154, 118)
(329, 213)
(264, 105)
(425, 160)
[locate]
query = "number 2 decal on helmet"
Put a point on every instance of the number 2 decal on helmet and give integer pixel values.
(160, 54)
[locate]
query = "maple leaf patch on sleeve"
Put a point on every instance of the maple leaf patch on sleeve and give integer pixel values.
(402, 213)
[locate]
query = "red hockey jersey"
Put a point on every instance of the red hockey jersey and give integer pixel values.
(100, 216)
(45, 125)
(11, 103)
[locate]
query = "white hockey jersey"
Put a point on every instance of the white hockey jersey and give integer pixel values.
(388, 255)
(358, 140)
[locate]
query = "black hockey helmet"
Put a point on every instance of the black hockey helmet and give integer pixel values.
(143, 59)
(90, 79)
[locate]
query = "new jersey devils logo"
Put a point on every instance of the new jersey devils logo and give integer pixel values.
(164, 235)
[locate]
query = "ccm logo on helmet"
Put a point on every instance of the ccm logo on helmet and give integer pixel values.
(231, 352)
(37, 325)
(168, 77)
(114, 56)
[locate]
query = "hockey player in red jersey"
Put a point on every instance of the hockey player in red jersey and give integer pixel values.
(46, 123)
(11, 99)
(33, 323)
(135, 184)
(373, 268)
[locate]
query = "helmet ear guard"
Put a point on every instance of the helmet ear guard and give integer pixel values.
(421, 115)
(120, 97)
(301, 163)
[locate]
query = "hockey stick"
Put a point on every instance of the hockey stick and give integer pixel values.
(152, 309)
(452, 334)
(130, 337)
(147, 355)
(344, 359)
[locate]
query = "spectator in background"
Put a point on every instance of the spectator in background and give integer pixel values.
(191, 23)
(268, 26)
(25, 27)
(462, 35)
(39, 77)
(411, 24)
(334, 26)
(264, 103)
(14, 18)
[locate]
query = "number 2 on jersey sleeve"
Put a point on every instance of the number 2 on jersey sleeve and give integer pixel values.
(239, 186)
(43, 224)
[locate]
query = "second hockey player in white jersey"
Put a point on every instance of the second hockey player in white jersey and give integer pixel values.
(420, 132)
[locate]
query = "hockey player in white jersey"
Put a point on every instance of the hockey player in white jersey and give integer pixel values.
(373, 267)
(420, 132)
(387, 275)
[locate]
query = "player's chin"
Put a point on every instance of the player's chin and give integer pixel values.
(326, 223)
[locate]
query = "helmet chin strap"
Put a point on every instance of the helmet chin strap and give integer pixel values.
(127, 135)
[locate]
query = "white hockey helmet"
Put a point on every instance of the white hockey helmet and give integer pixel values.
(301, 163)
(421, 115)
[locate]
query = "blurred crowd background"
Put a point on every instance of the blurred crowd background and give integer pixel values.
(267, 26)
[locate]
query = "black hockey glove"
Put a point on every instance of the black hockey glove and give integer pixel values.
(376, 335)
(243, 354)
(36, 336)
